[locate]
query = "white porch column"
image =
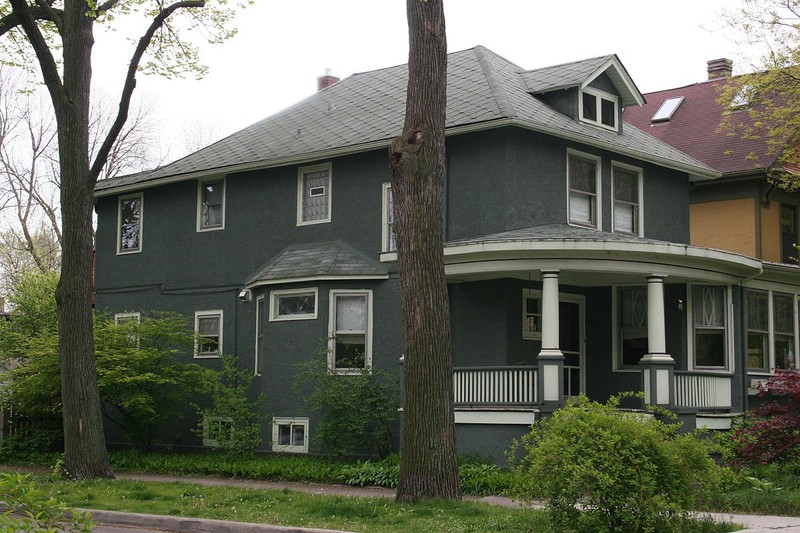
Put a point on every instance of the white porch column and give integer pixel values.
(550, 358)
(657, 364)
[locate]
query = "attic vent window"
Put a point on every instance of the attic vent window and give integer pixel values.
(667, 109)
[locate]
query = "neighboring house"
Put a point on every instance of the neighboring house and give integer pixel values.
(567, 250)
(742, 211)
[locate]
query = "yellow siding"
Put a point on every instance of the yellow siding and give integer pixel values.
(727, 225)
(771, 233)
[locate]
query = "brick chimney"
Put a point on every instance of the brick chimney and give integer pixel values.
(326, 81)
(720, 68)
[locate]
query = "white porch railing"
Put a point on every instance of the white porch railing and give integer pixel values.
(702, 391)
(495, 385)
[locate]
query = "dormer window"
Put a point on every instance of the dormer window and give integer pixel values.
(598, 107)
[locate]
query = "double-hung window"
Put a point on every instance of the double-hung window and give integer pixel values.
(388, 239)
(757, 330)
(770, 330)
(632, 325)
(783, 313)
(531, 314)
(208, 333)
(129, 226)
(789, 239)
(627, 191)
(599, 107)
(710, 326)
(211, 205)
(350, 345)
(584, 184)
(314, 194)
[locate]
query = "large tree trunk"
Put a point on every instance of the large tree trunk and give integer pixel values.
(428, 466)
(85, 454)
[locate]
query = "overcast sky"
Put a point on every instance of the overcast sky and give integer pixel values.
(283, 46)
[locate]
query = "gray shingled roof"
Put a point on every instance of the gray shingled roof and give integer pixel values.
(561, 76)
(326, 260)
(553, 232)
(366, 111)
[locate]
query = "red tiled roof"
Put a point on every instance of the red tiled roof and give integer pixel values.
(692, 129)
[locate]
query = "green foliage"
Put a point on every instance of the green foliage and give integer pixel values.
(357, 410)
(142, 381)
(27, 508)
(601, 469)
(241, 417)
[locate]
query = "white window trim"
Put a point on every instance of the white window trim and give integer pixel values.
(598, 187)
(531, 294)
(301, 172)
(332, 331)
(274, 296)
(729, 333)
(259, 325)
(640, 189)
(214, 443)
(197, 316)
(279, 421)
(771, 331)
(140, 196)
(200, 183)
(135, 315)
(385, 232)
(599, 95)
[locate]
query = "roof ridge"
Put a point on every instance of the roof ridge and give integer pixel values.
(499, 93)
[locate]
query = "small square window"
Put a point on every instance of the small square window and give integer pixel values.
(599, 107)
(129, 235)
(216, 430)
(211, 205)
(290, 435)
(314, 194)
(208, 332)
(294, 304)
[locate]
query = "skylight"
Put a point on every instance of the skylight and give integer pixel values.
(667, 109)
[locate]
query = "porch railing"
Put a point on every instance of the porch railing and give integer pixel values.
(702, 391)
(495, 385)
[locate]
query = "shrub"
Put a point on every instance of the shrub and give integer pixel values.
(601, 469)
(28, 509)
(241, 418)
(771, 432)
(357, 411)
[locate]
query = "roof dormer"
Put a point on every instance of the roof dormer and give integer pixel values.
(601, 86)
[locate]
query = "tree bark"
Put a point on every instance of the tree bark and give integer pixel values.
(428, 467)
(85, 454)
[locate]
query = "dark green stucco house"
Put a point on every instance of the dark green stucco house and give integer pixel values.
(567, 254)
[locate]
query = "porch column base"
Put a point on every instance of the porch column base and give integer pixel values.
(658, 379)
(550, 379)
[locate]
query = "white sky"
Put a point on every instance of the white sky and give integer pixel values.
(283, 46)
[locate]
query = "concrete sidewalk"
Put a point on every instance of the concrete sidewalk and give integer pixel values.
(752, 523)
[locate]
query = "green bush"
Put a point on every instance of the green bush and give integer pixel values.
(241, 418)
(602, 469)
(357, 411)
(27, 509)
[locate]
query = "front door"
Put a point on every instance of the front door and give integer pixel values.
(570, 324)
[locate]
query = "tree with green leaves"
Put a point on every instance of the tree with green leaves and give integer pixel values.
(57, 37)
(428, 465)
(765, 104)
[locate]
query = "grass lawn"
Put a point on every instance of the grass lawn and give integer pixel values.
(289, 508)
